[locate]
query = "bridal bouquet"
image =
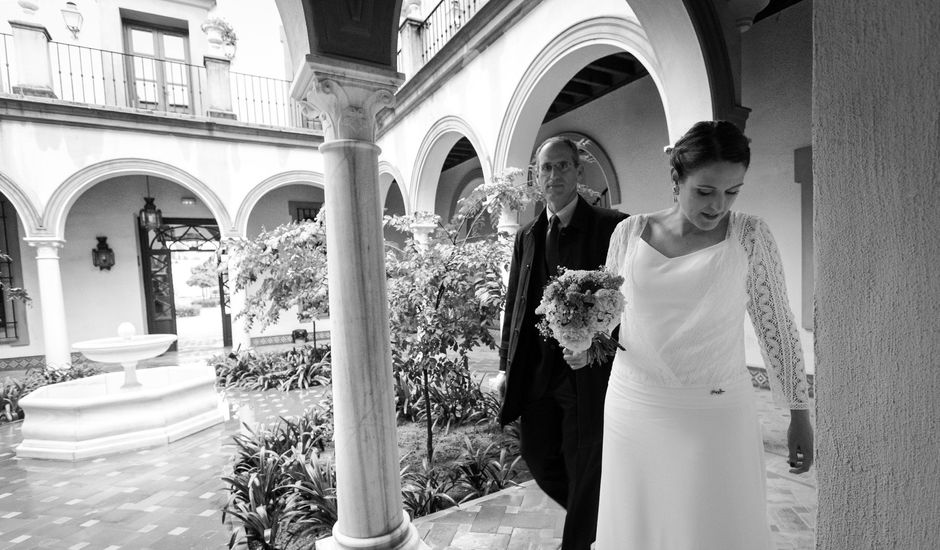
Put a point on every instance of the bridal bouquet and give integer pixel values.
(580, 308)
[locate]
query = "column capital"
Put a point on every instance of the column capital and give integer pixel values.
(347, 95)
(45, 242)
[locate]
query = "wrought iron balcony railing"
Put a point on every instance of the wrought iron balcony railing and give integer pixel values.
(447, 17)
(113, 79)
(100, 77)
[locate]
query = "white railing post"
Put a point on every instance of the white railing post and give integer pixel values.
(412, 45)
(31, 57)
(219, 87)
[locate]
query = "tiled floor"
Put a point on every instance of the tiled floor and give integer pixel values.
(169, 498)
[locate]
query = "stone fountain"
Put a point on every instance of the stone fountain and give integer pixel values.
(117, 412)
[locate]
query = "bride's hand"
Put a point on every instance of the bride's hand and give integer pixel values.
(575, 360)
(800, 442)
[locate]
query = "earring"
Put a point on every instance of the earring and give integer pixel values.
(675, 192)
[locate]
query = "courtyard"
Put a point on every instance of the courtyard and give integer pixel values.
(171, 497)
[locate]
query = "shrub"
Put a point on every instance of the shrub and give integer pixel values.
(187, 311)
(206, 302)
(282, 491)
(426, 490)
(486, 470)
(298, 368)
(256, 498)
(280, 269)
(12, 391)
(271, 490)
(311, 502)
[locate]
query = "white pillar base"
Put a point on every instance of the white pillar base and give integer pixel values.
(405, 537)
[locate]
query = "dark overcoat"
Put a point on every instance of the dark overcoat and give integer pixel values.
(521, 346)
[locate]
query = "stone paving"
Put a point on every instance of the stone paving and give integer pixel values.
(170, 497)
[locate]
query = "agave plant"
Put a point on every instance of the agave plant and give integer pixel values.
(427, 490)
(484, 470)
(311, 500)
(256, 499)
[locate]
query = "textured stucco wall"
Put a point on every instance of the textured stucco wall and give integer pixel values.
(877, 228)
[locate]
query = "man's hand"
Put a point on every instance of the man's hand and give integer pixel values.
(500, 384)
(575, 360)
(800, 442)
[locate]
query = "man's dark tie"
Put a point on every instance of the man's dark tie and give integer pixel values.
(551, 246)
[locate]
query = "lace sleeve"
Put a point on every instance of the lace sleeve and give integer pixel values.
(617, 248)
(770, 314)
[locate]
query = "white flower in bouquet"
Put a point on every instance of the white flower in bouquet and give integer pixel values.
(580, 308)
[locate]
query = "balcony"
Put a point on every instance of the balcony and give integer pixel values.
(110, 79)
(421, 37)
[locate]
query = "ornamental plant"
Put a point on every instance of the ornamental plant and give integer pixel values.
(437, 313)
(280, 269)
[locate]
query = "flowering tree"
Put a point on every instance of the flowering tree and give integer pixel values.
(282, 268)
(437, 312)
(204, 275)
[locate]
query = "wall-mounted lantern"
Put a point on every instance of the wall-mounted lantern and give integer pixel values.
(102, 256)
(73, 18)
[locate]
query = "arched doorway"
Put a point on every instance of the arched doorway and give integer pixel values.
(597, 80)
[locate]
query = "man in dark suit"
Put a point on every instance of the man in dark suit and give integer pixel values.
(561, 406)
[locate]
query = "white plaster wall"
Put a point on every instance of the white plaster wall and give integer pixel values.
(630, 125)
(447, 186)
(229, 168)
(101, 27)
(272, 210)
(776, 84)
(480, 92)
(111, 297)
(260, 47)
(257, 25)
(877, 195)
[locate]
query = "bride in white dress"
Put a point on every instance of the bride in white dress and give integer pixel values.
(683, 466)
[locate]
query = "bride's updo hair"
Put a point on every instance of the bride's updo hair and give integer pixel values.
(707, 142)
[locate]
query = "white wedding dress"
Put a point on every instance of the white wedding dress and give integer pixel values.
(683, 466)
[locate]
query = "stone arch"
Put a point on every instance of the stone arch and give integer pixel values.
(291, 177)
(25, 206)
(434, 148)
(683, 85)
(389, 173)
(65, 196)
(470, 177)
(603, 162)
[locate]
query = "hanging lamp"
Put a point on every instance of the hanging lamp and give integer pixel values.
(150, 216)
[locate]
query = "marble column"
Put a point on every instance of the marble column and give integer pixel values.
(52, 303)
(368, 486)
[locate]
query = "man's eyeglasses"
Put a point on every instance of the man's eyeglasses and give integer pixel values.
(561, 166)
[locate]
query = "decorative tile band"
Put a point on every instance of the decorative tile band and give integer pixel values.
(323, 336)
(31, 361)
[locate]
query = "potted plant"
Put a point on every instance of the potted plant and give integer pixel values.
(221, 35)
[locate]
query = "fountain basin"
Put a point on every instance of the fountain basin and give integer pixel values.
(95, 416)
(125, 349)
